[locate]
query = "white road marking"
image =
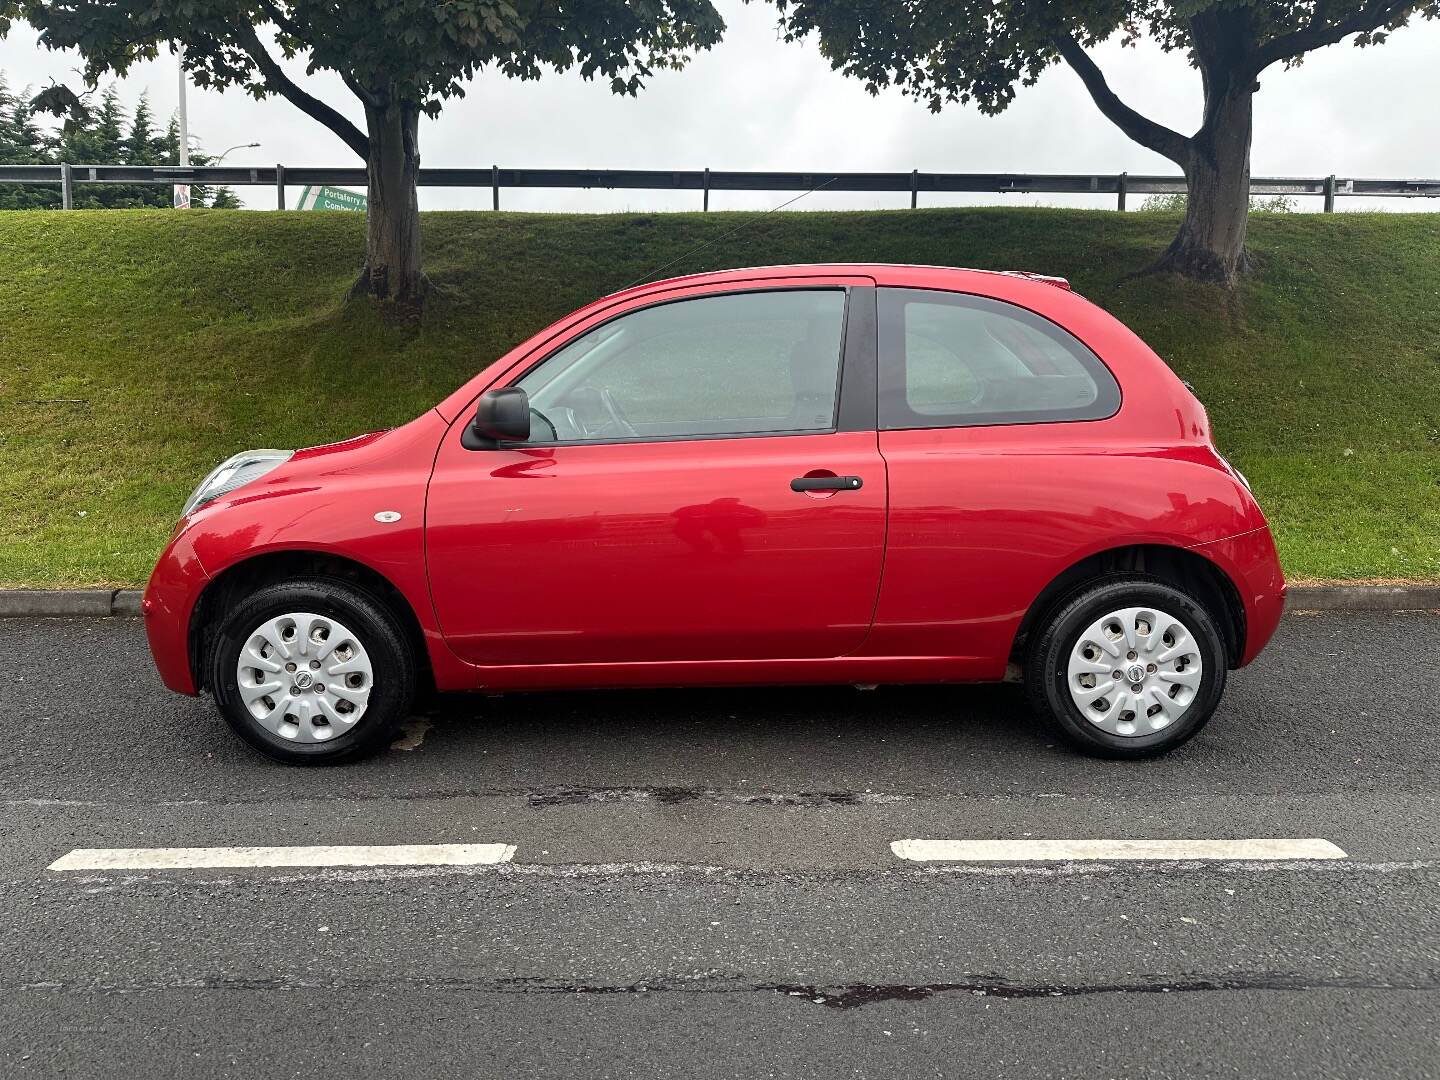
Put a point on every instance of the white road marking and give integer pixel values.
(1072, 850)
(203, 858)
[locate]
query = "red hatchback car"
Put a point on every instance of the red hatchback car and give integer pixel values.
(801, 474)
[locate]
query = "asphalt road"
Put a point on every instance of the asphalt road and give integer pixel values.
(703, 883)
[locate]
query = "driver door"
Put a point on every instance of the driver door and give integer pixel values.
(652, 515)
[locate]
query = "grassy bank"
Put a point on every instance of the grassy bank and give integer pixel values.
(137, 348)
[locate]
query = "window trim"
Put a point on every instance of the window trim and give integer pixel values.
(891, 365)
(855, 362)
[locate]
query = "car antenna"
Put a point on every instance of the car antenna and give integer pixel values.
(726, 235)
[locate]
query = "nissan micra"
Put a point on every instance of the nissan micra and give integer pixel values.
(803, 474)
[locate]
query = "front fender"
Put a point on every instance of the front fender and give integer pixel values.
(362, 501)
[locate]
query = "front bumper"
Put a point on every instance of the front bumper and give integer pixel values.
(169, 598)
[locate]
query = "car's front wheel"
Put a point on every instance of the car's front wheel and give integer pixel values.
(1129, 667)
(312, 671)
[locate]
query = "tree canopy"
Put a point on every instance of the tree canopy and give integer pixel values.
(418, 52)
(980, 50)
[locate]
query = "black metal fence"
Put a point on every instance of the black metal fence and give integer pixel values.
(704, 181)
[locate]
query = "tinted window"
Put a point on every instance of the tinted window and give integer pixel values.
(949, 360)
(738, 364)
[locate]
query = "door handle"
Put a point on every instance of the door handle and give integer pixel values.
(826, 483)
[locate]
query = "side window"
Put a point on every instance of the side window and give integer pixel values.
(952, 360)
(735, 364)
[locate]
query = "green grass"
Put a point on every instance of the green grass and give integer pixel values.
(182, 338)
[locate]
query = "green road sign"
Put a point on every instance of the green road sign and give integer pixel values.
(330, 198)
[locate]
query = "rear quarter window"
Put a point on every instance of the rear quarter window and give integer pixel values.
(953, 360)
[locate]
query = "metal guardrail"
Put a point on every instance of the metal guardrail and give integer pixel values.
(707, 180)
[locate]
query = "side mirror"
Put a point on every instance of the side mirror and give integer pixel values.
(500, 416)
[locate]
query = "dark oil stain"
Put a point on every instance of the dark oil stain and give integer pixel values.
(674, 795)
(858, 995)
(844, 996)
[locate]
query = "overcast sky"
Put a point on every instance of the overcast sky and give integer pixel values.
(754, 102)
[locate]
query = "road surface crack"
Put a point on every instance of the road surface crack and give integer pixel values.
(838, 996)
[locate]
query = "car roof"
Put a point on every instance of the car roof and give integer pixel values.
(883, 273)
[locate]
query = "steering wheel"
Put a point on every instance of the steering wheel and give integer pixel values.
(617, 417)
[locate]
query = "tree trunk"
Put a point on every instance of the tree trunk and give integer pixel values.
(1211, 242)
(392, 271)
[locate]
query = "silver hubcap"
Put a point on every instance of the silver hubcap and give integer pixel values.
(1134, 671)
(304, 677)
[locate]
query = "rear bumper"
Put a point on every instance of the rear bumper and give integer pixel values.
(1253, 565)
(169, 598)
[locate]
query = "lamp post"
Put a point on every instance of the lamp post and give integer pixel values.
(182, 191)
(237, 146)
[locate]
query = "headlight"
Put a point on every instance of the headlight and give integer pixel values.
(234, 472)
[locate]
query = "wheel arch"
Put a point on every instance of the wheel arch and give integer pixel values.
(1176, 566)
(272, 567)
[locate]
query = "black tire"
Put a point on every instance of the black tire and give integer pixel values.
(1047, 664)
(380, 634)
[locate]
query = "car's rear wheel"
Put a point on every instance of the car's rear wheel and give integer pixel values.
(1128, 667)
(313, 671)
